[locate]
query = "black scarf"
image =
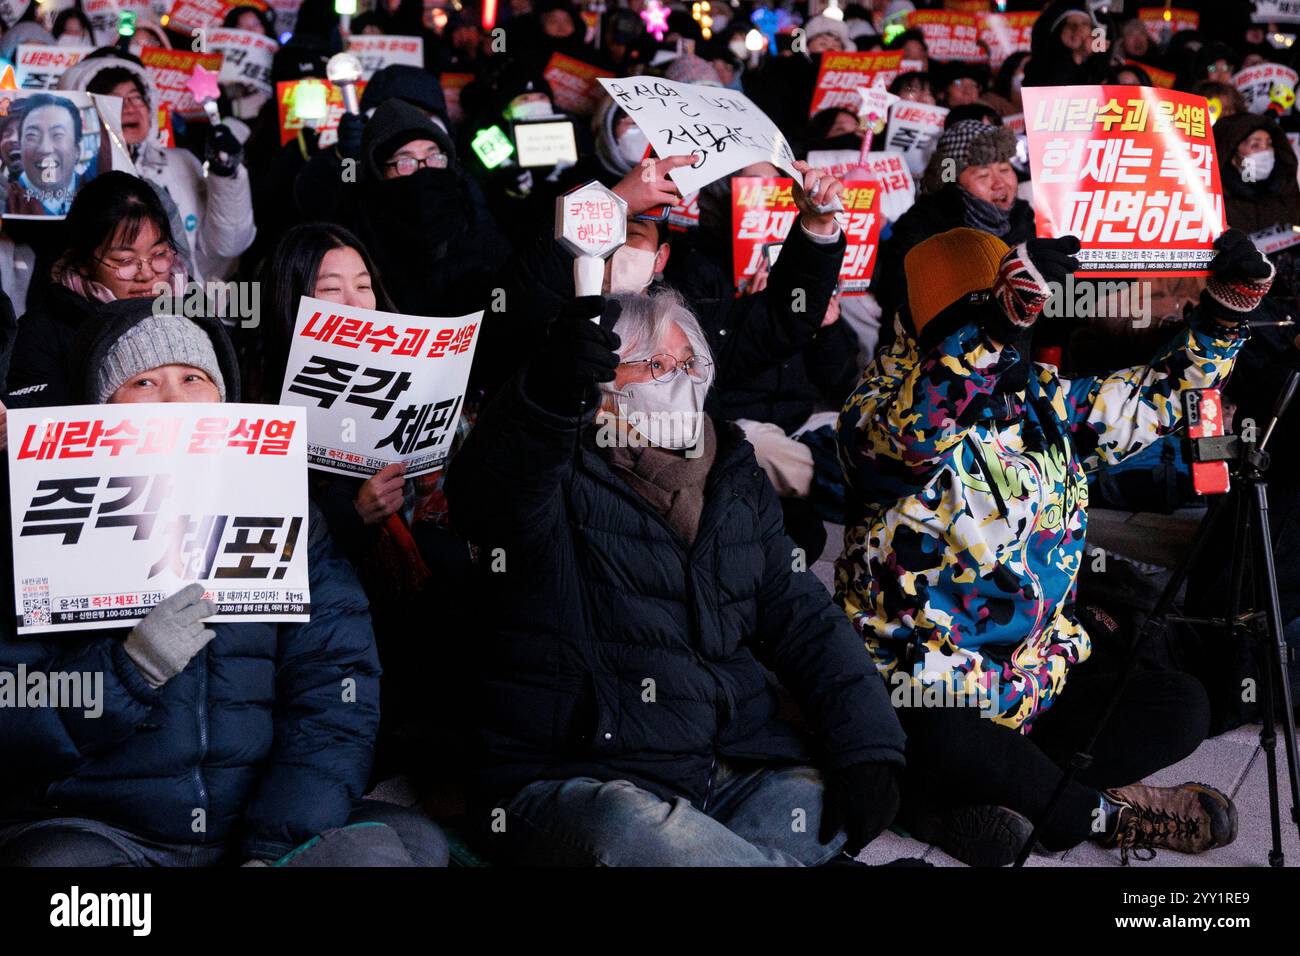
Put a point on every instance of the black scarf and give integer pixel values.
(984, 216)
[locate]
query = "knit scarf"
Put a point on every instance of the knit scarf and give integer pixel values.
(669, 482)
(984, 216)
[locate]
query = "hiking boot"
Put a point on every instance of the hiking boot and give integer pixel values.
(977, 835)
(1190, 818)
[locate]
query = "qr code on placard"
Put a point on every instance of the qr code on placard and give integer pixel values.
(36, 602)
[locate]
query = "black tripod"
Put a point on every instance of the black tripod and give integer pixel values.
(1252, 549)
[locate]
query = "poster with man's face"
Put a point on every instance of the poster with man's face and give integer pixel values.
(51, 144)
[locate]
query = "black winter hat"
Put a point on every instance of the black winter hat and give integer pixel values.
(394, 124)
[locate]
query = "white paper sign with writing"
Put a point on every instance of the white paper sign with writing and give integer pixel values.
(116, 507)
(378, 387)
(39, 66)
(723, 126)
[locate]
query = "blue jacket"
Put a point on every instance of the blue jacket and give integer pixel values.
(268, 731)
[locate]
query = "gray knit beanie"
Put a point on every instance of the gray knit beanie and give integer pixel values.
(154, 341)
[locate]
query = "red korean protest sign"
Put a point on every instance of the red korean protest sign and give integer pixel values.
(376, 51)
(189, 15)
(170, 71)
(327, 128)
(573, 84)
(686, 214)
(1161, 78)
(949, 36)
(104, 16)
(1131, 171)
(1153, 18)
(968, 6)
(378, 387)
(116, 507)
(1267, 87)
(38, 66)
(246, 59)
(842, 73)
(1005, 34)
(763, 212)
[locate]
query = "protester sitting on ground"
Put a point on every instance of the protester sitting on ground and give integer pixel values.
(209, 204)
(243, 720)
(968, 464)
(645, 578)
(120, 246)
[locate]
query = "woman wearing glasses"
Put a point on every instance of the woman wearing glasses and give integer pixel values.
(119, 246)
(632, 553)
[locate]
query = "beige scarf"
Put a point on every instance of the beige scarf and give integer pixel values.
(670, 482)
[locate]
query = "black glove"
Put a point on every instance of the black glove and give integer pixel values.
(578, 355)
(1029, 274)
(1240, 277)
(223, 152)
(351, 127)
(862, 799)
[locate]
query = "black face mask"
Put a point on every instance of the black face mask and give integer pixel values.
(843, 141)
(429, 207)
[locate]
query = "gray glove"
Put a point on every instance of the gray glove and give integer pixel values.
(170, 635)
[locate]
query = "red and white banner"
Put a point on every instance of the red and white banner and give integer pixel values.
(376, 51)
(763, 212)
(1267, 87)
(1005, 34)
(1131, 171)
(1153, 18)
(38, 66)
(573, 84)
(327, 129)
(378, 387)
(187, 16)
(170, 71)
(1161, 78)
(116, 507)
(949, 36)
(842, 73)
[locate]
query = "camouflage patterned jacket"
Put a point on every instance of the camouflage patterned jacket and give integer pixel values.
(961, 562)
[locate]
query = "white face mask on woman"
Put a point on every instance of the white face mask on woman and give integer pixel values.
(631, 269)
(1257, 167)
(667, 414)
(632, 145)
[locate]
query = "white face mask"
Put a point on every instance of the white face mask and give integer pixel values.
(631, 269)
(1257, 167)
(738, 49)
(668, 415)
(632, 145)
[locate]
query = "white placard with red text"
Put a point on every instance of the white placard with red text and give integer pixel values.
(38, 66)
(378, 387)
(376, 51)
(116, 507)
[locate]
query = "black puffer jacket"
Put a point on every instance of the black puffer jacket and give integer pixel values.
(598, 596)
(39, 367)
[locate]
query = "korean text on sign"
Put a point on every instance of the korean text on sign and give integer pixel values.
(1131, 171)
(115, 507)
(378, 387)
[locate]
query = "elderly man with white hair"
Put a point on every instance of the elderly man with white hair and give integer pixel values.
(645, 601)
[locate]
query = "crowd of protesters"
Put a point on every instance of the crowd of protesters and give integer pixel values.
(585, 653)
